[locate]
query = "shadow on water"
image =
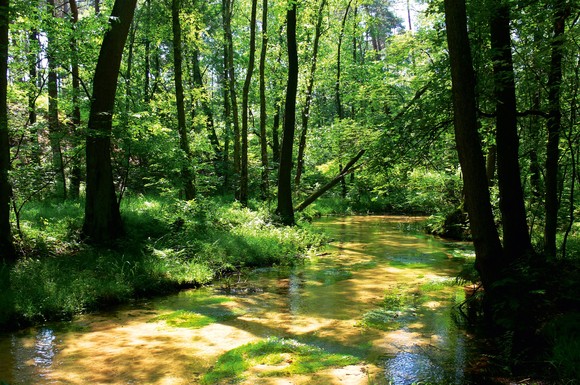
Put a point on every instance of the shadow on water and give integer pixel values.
(176, 339)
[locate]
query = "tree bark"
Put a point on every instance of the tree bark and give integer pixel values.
(516, 238)
(8, 253)
(75, 172)
(554, 126)
(102, 222)
(308, 101)
(485, 237)
(285, 209)
(245, 100)
(54, 129)
(232, 90)
(186, 173)
(265, 185)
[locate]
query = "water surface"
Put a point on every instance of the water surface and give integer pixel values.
(177, 339)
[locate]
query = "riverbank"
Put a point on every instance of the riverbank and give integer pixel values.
(170, 245)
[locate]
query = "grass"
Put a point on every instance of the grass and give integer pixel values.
(169, 245)
(281, 357)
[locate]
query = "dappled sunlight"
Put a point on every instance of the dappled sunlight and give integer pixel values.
(179, 338)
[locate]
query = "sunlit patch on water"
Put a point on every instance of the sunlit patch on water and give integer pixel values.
(44, 348)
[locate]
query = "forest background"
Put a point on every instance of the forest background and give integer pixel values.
(223, 116)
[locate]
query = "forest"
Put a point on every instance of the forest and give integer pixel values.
(151, 146)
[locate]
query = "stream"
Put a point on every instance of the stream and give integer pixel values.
(380, 294)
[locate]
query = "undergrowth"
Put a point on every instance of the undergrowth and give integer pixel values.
(169, 245)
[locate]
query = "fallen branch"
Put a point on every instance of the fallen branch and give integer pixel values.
(345, 171)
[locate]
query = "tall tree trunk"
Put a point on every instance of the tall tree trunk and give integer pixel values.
(54, 129)
(205, 107)
(486, 241)
(285, 209)
(102, 222)
(147, 64)
(8, 253)
(245, 100)
(75, 173)
(339, 109)
(32, 93)
(227, 100)
(264, 186)
(554, 126)
(308, 101)
(232, 91)
(186, 172)
(516, 238)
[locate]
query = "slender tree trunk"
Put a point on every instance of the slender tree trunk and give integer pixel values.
(285, 209)
(205, 107)
(485, 237)
(102, 222)
(245, 100)
(75, 173)
(97, 7)
(554, 126)
(227, 100)
(8, 253)
(265, 185)
(33, 42)
(54, 129)
(339, 109)
(232, 92)
(147, 64)
(186, 173)
(308, 101)
(516, 238)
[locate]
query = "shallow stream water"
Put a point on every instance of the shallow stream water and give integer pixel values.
(335, 301)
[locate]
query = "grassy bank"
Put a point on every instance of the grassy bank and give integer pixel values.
(169, 245)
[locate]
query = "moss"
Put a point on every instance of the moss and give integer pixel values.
(284, 357)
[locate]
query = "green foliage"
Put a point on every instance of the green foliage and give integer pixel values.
(564, 335)
(170, 244)
(284, 357)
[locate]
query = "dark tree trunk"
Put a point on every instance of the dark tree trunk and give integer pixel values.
(308, 101)
(516, 238)
(339, 109)
(265, 185)
(485, 237)
(554, 126)
(186, 173)
(245, 100)
(232, 91)
(33, 44)
(227, 105)
(490, 163)
(285, 210)
(75, 173)
(54, 129)
(205, 107)
(8, 253)
(147, 64)
(102, 222)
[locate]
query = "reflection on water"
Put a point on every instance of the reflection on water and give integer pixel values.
(321, 303)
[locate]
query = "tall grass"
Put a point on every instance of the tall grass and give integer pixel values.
(169, 244)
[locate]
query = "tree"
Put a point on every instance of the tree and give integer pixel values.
(264, 186)
(308, 96)
(285, 210)
(54, 127)
(186, 174)
(516, 239)
(75, 179)
(554, 126)
(8, 253)
(486, 241)
(243, 197)
(102, 221)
